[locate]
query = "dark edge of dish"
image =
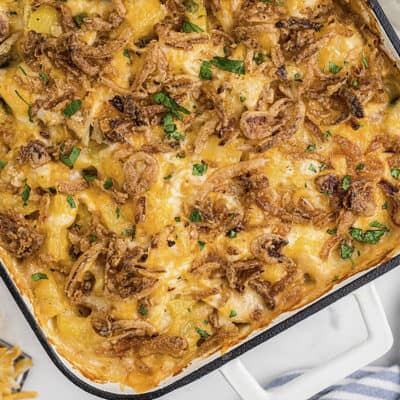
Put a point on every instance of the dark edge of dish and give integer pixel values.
(239, 350)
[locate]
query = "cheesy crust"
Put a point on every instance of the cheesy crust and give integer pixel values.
(176, 174)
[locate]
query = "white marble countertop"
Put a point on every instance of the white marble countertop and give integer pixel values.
(310, 343)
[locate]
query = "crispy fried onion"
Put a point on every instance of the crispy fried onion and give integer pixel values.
(392, 194)
(35, 153)
(266, 129)
(124, 276)
(17, 236)
(141, 171)
(179, 40)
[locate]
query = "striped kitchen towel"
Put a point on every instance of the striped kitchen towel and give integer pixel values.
(369, 383)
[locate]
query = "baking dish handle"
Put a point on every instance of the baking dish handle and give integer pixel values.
(379, 341)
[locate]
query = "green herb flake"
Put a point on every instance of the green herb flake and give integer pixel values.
(199, 169)
(108, 184)
(355, 83)
(364, 61)
(312, 168)
(346, 182)
(201, 244)
(242, 99)
(371, 236)
(130, 232)
(28, 104)
(346, 63)
(195, 216)
(190, 27)
(225, 64)
(323, 167)
(143, 309)
(333, 68)
(73, 156)
(93, 238)
(395, 173)
(171, 104)
(297, 77)
(203, 334)
(259, 58)
(177, 219)
(311, 147)
(331, 231)
(37, 276)
(335, 278)
(3, 164)
(232, 234)
(205, 71)
(360, 167)
(44, 78)
(385, 205)
(167, 177)
(71, 201)
(73, 108)
(26, 192)
(118, 212)
(327, 134)
(180, 155)
(79, 19)
(22, 70)
(346, 252)
(233, 314)
(89, 178)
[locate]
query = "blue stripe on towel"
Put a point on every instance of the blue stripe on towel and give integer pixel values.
(357, 385)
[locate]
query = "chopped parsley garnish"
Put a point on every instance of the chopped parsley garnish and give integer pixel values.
(346, 252)
(232, 314)
(72, 108)
(71, 201)
(364, 61)
(311, 147)
(93, 238)
(80, 18)
(205, 71)
(385, 205)
(327, 134)
(297, 77)
(346, 182)
(355, 83)
(346, 63)
(37, 276)
(73, 156)
(28, 104)
(126, 53)
(190, 27)
(312, 168)
(143, 309)
(180, 155)
(323, 167)
(333, 68)
(234, 66)
(232, 234)
(108, 184)
(171, 104)
(191, 6)
(89, 178)
(44, 78)
(26, 192)
(3, 164)
(360, 167)
(242, 99)
(395, 173)
(177, 219)
(170, 128)
(259, 58)
(195, 216)
(22, 70)
(168, 177)
(331, 231)
(199, 169)
(371, 236)
(130, 231)
(118, 212)
(335, 278)
(203, 334)
(201, 244)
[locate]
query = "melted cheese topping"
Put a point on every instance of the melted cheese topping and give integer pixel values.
(183, 302)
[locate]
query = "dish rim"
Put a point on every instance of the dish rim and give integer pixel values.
(242, 348)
